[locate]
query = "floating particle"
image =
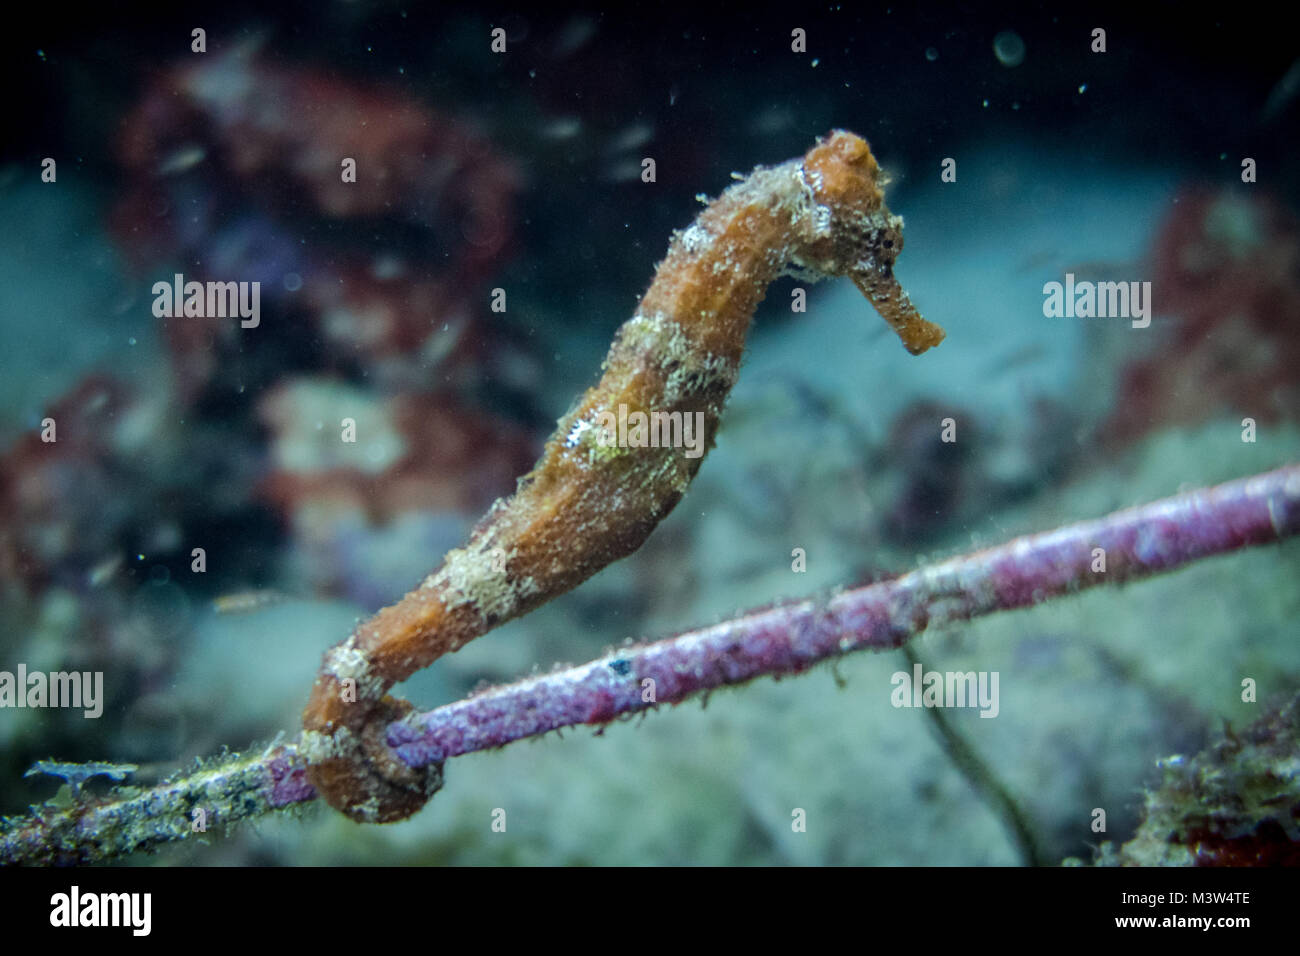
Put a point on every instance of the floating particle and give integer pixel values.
(1083, 87)
(623, 171)
(931, 54)
(573, 36)
(1286, 90)
(1009, 48)
(773, 119)
(562, 127)
(101, 573)
(243, 602)
(631, 138)
(186, 157)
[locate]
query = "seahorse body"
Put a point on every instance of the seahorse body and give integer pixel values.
(587, 502)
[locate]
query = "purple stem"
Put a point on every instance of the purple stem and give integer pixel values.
(789, 638)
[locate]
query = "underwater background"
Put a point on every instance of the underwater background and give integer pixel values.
(522, 171)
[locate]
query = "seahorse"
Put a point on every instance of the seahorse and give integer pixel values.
(588, 501)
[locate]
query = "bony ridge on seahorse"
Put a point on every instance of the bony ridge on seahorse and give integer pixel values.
(588, 503)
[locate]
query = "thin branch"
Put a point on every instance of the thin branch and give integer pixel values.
(1135, 543)
(981, 776)
(227, 790)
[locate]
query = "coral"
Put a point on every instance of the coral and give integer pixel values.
(1235, 804)
(591, 500)
(96, 524)
(1225, 281)
(422, 460)
(52, 492)
(212, 150)
(350, 328)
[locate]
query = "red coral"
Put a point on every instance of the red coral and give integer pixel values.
(415, 457)
(53, 494)
(234, 172)
(1226, 288)
(438, 456)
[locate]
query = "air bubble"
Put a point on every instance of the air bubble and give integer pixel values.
(1009, 48)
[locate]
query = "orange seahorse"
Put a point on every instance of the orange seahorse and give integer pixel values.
(587, 502)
